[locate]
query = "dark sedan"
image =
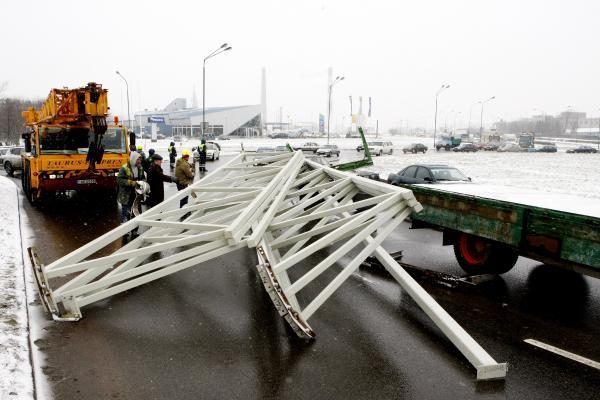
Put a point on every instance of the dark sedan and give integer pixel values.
(583, 149)
(428, 173)
(415, 148)
(466, 147)
(549, 148)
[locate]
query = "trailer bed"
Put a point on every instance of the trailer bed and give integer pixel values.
(552, 228)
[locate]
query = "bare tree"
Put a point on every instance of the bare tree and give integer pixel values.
(11, 121)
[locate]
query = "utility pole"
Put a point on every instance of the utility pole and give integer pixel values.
(440, 90)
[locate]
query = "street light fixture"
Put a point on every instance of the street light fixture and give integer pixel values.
(481, 119)
(336, 80)
(128, 111)
(440, 90)
(224, 47)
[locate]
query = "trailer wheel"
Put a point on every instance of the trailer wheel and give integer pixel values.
(477, 255)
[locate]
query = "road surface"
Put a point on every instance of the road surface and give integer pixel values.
(211, 332)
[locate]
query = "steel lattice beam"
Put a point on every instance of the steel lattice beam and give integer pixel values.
(285, 206)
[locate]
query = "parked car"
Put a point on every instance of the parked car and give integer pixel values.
(308, 146)
(583, 149)
(510, 148)
(428, 173)
(329, 150)
(466, 147)
(415, 148)
(223, 137)
(213, 151)
(549, 148)
(281, 148)
(3, 151)
(489, 147)
(12, 160)
(380, 148)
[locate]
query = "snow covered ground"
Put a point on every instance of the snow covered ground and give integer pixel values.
(558, 173)
(16, 380)
(574, 174)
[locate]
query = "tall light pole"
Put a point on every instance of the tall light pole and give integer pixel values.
(440, 90)
(128, 111)
(218, 51)
(336, 80)
(481, 119)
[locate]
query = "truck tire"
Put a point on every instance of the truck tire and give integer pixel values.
(10, 171)
(478, 255)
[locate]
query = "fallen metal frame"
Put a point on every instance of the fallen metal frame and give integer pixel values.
(285, 206)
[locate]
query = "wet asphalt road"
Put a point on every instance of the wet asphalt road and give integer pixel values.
(211, 332)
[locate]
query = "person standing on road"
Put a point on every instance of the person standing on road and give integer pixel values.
(172, 155)
(156, 179)
(127, 180)
(146, 162)
(184, 174)
(202, 151)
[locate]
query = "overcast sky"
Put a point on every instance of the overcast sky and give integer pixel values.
(534, 56)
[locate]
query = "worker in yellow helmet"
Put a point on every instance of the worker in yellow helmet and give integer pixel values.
(184, 174)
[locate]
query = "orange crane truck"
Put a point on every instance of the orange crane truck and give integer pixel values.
(70, 147)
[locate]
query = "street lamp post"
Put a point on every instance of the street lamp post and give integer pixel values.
(218, 51)
(336, 80)
(440, 90)
(481, 118)
(128, 111)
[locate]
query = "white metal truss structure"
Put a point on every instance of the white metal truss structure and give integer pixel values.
(285, 206)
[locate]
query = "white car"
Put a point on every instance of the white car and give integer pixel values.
(380, 148)
(12, 160)
(212, 151)
(328, 150)
(510, 148)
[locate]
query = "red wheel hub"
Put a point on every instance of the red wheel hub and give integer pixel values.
(474, 250)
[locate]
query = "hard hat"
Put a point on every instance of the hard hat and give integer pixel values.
(185, 152)
(139, 147)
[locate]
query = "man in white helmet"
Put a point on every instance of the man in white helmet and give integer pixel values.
(127, 178)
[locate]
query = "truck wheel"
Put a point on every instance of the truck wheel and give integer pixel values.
(10, 171)
(478, 255)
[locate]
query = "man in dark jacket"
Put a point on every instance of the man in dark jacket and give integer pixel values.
(172, 155)
(156, 177)
(146, 162)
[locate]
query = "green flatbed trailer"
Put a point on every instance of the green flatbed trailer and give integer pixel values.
(489, 233)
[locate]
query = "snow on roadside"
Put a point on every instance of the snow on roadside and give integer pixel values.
(16, 381)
